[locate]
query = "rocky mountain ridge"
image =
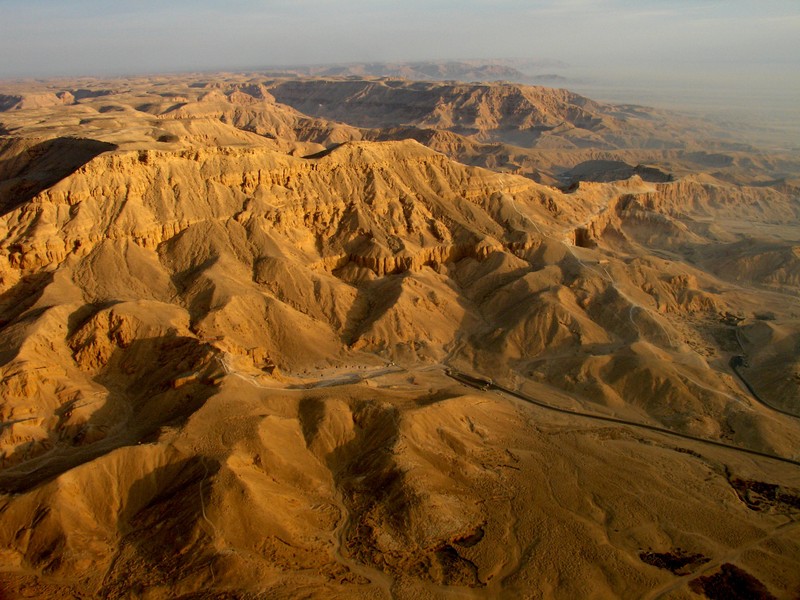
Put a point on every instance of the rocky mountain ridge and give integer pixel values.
(229, 330)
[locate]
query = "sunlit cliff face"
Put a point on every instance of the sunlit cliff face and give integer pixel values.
(363, 337)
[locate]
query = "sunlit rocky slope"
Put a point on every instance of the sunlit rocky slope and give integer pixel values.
(254, 337)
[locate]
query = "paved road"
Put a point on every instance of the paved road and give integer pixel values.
(487, 384)
(739, 361)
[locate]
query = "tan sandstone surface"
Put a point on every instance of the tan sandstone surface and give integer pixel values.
(371, 338)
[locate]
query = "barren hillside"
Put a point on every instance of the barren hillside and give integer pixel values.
(380, 338)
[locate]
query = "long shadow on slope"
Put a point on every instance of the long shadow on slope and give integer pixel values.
(85, 313)
(611, 170)
(151, 383)
(366, 473)
(379, 499)
(323, 153)
(22, 296)
(15, 311)
(374, 299)
(166, 536)
(9, 351)
(42, 166)
(197, 294)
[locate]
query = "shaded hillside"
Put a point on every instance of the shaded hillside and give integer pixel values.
(248, 351)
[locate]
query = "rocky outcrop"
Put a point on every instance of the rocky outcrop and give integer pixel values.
(474, 109)
(692, 195)
(386, 192)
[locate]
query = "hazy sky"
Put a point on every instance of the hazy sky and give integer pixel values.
(72, 37)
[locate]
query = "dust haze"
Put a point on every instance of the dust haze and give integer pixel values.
(325, 332)
(285, 319)
(735, 61)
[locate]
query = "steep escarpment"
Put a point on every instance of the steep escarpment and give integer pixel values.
(549, 135)
(469, 108)
(375, 233)
(523, 116)
(710, 198)
(252, 108)
(229, 235)
(248, 352)
(391, 203)
(29, 166)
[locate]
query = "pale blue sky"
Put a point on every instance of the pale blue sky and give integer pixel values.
(105, 37)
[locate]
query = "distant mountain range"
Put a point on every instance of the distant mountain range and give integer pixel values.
(516, 70)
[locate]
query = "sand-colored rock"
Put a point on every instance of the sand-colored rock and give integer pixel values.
(225, 329)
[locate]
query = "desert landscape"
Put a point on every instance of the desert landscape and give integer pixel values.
(342, 333)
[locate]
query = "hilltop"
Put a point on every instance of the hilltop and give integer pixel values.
(260, 334)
